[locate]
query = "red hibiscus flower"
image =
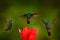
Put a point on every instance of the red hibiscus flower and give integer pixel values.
(27, 33)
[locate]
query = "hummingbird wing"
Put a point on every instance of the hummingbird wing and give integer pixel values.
(5, 20)
(22, 16)
(35, 15)
(53, 22)
(44, 23)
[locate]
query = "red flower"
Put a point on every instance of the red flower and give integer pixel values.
(27, 33)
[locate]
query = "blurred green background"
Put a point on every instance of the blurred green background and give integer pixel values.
(48, 10)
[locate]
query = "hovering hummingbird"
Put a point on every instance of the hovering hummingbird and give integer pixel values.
(48, 25)
(8, 23)
(28, 16)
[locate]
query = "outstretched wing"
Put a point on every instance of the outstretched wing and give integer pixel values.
(5, 20)
(35, 15)
(53, 22)
(44, 23)
(22, 16)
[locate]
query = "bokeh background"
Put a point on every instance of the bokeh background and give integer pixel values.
(48, 10)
